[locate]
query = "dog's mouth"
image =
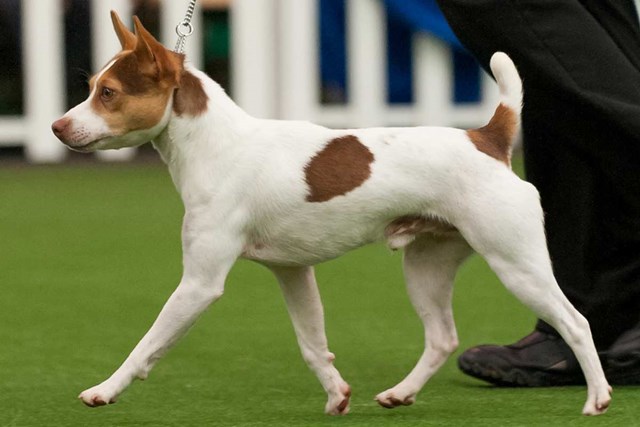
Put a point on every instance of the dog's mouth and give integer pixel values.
(88, 147)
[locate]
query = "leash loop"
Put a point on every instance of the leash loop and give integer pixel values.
(184, 29)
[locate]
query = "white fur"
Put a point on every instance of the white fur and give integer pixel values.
(243, 186)
(88, 127)
(510, 85)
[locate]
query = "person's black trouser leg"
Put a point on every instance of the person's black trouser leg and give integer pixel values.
(580, 63)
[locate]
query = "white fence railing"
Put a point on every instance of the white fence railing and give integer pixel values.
(43, 65)
(276, 73)
(275, 69)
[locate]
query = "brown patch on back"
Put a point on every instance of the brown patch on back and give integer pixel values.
(341, 166)
(190, 98)
(495, 139)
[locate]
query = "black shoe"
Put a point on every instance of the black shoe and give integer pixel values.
(537, 360)
(622, 360)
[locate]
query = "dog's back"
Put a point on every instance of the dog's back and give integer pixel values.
(402, 180)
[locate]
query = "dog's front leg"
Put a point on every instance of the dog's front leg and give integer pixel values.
(207, 259)
(301, 294)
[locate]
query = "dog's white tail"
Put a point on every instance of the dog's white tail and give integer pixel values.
(509, 81)
(496, 139)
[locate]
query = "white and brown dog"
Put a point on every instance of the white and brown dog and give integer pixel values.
(291, 194)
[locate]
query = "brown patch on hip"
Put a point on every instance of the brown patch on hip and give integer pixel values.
(190, 98)
(496, 138)
(341, 166)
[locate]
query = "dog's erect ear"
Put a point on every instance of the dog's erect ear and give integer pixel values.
(126, 37)
(167, 64)
(145, 42)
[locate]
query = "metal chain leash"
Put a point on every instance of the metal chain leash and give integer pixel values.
(184, 29)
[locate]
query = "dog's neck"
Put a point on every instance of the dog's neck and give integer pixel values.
(190, 143)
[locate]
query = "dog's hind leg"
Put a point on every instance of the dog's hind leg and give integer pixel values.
(430, 265)
(301, 294)
(505, 226)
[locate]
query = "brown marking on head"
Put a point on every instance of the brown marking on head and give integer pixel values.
(156, 60)
(341, 166)
(496, 138)
(130, 103)
(133, 93)
(190, 98)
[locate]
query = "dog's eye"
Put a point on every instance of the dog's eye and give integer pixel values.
(107, 93)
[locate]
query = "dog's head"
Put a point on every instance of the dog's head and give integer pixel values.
(130, 98)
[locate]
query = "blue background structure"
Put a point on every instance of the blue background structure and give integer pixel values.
(404, 18)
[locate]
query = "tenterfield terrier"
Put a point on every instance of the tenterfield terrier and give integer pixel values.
(291, 194)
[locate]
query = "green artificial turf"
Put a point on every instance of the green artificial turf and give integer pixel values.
(88, 255)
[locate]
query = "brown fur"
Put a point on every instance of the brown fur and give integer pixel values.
(126, 37)
(341, 166)
(139, 101)
(126, 72)
(190, 98)
(495, 139)
(143, 77)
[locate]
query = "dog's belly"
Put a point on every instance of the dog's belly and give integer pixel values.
(273, 255)
(311, 249)
(320, 245)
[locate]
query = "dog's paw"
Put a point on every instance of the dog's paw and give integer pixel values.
(598, 404)
(393, 397)
(99, 395)
(338, 403)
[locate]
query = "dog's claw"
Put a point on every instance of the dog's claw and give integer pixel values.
(389, 399)
(93, 397)
(598, 404)
(96, 401)
(342, 405)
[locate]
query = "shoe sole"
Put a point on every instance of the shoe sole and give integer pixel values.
(517, 377)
